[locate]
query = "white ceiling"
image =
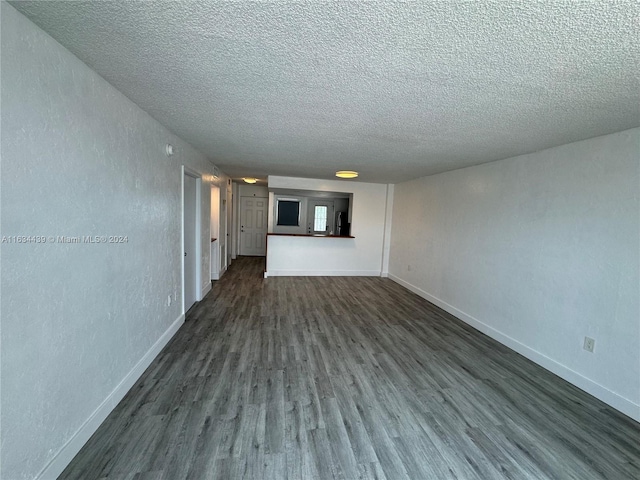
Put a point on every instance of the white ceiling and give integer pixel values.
(393, 90)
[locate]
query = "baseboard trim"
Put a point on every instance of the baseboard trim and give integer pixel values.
(206, 289)
(70, 449)
(616, 401)
(322, 273)
(215, 276)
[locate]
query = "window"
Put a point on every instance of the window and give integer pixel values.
(288, 213)
(320, 218)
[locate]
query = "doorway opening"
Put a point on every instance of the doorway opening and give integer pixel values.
(191, 238)
(215, 233)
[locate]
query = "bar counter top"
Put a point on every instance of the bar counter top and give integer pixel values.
(308, 235)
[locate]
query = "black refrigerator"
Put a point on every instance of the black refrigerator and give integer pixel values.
(342, 224)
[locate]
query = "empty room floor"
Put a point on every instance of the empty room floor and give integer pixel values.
(348, 378)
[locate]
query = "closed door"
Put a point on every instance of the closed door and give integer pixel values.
(190, 257)
(320, 217)
(253, 226)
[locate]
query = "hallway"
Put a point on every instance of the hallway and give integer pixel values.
(348, 377)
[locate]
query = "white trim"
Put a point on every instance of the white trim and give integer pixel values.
(70, 449)
(206, 289)
(616, 401)
(322, 273)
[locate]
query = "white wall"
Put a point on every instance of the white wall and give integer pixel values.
(537, 251)
(245, 190)
(80, 322)
(333, 256)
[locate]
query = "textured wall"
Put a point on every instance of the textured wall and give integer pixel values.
(538, 251)
(333, 256)
(252, 190)
(78, 158)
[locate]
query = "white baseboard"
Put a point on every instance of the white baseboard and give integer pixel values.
(215, 276)
(322, 273)
(616, 401)
(69, 450)
(206, 289)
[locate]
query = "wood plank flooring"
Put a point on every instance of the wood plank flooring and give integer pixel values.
(348, 378)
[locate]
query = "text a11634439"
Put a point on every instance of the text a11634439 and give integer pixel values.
(64, 239)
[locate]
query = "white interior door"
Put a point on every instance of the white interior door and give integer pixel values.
(190, 237)
(253, 226)
(320, 217)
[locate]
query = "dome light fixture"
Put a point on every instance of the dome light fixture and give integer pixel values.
(250, 180)
(346, 174)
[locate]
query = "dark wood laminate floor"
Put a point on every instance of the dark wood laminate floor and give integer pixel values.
(348, 378)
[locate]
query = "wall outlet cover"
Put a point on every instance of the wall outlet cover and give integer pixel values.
(589, 344)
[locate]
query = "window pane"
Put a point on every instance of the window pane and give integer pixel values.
(288, 213)
(320, 219)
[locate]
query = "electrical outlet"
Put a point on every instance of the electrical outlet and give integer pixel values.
(589, 344)
(408, 268)
(169, 301)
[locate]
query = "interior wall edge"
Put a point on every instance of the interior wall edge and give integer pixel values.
(70, 449)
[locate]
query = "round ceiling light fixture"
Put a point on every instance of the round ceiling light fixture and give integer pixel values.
(250, 180)
(346, 174)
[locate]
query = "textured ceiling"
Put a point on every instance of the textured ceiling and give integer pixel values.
(393, 90)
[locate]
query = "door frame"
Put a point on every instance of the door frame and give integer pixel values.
(186, 171)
